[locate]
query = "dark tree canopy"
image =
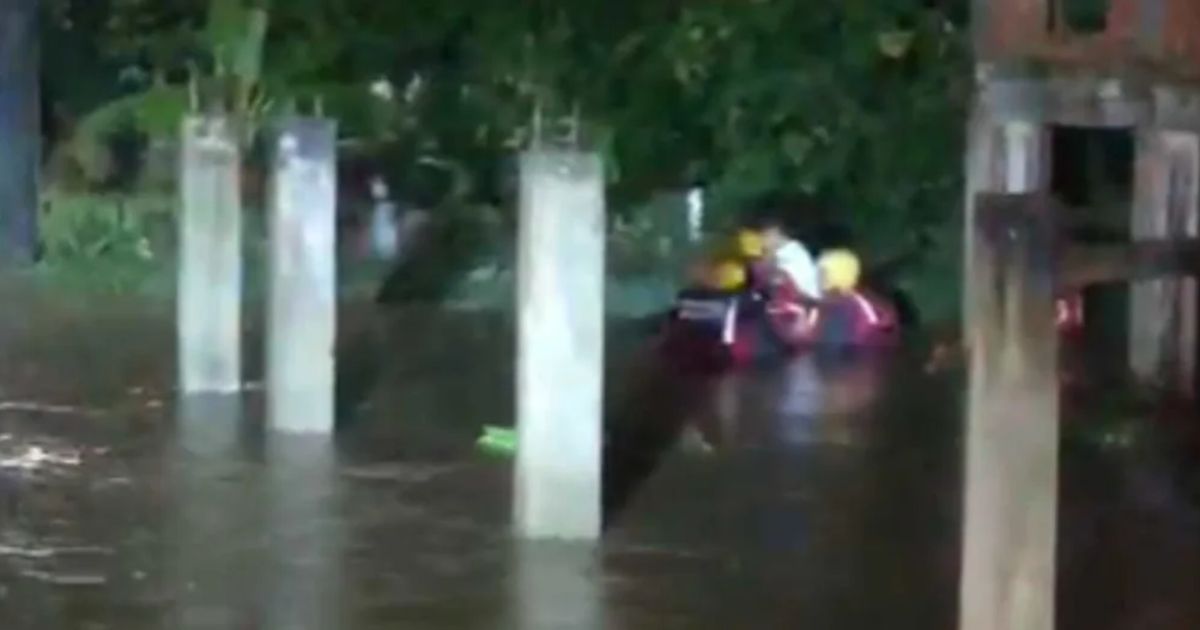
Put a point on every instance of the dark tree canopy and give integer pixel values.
(856, 106)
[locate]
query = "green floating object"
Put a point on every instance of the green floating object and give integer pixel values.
(501, 441)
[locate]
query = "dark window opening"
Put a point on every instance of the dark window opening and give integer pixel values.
(1092, 173)
(1080, 16)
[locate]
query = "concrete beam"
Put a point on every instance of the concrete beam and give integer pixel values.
(1089, 265)
(1075, 99)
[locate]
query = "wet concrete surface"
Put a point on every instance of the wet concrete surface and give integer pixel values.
(819, 494)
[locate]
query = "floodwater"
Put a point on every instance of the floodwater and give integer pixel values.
(823, 493)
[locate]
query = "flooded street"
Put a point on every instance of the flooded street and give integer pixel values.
(819, 494)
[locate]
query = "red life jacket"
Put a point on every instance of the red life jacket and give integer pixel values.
(1068, 313)
(870, 320)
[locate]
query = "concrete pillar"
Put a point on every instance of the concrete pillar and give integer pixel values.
(302, 313)
(1011, 493)
(560, 345)
(1004, 155)
(1162, 322)
(209, 300)
(20, 130)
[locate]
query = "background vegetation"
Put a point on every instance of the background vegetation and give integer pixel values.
(855, 108)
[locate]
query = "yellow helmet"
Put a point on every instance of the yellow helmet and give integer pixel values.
(729, 276)
(750, 244)
(840, 270)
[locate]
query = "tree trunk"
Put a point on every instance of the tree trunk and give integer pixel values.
(20, 134)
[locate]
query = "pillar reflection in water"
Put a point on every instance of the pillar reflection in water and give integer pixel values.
(212, 529)
(305, 573)
(728, 406)
(558, 585)
(255, 536)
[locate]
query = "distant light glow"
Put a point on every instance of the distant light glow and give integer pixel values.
(382, 89)
(695, 216)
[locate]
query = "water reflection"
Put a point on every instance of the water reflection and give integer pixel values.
(303, 512)
(216, 510)
(255, 531)
(822, 397)
(211, 428)
(226, 527)
(800, 401)
(558, 586)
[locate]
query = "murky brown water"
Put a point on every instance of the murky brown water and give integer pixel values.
(821, 494)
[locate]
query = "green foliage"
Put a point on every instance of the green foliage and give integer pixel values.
(231, 43)
(93, 227)
(934, 284)
(857, 104)
(154, 113)
(109, 243)
(236, 34)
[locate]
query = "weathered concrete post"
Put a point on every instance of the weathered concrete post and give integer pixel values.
(1007, 152)
(302, 312)
(209, 300)
(560, 345)
(20, 130)
(1010, 523)
(1162, 319)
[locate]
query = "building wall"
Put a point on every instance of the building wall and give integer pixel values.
(1182, 36)
(1164, 30)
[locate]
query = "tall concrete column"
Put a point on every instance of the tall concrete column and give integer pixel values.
(1008, 151)
(209, 300)
(302, 313)
(1163, 318)
(1011, 487)
(560, 345)
(20, 130)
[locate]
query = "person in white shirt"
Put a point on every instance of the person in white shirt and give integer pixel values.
(791, 259)
(384, 224)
